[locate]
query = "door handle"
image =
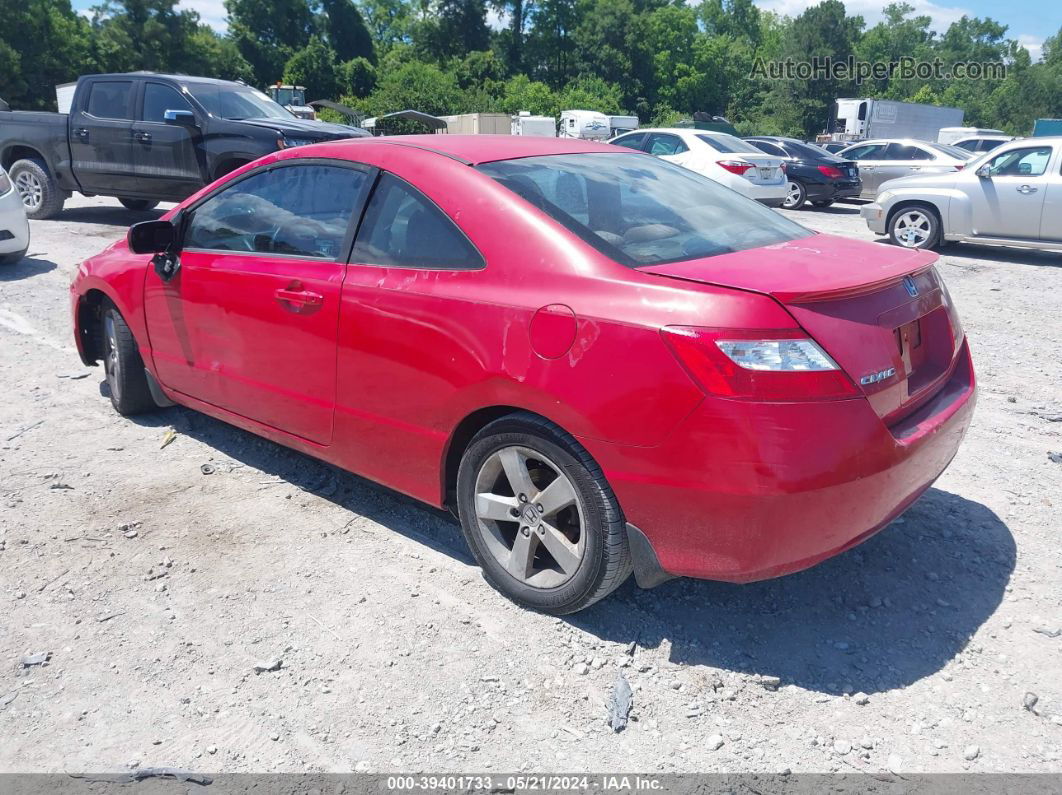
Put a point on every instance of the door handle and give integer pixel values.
(1027, 189)
(294, 295)
(81, 132)
(143, 137)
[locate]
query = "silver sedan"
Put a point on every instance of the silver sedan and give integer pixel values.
(880, 161)
(1010, 196)
(14, 228)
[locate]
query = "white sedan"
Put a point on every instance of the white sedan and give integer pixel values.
(723, 158)
(14, 228)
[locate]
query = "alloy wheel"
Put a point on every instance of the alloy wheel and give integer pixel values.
(112, 364)
(913, 229)
(792, 195)
(530, 517)
(29, 189)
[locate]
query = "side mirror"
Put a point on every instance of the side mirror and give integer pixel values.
(151, 237)
(183, 117)
(984, 172)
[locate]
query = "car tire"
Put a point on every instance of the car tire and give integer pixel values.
(138, 204)
(13, 257)
(915, 226)
(41, 195)
(556, 561)
(822, 203)
(123, 365)
(796, 195)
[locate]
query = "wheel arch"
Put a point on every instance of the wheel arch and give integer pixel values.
(89, 338)
(458, 442)
(19, 151)
(903, 204)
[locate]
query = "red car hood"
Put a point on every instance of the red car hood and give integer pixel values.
(802, 270)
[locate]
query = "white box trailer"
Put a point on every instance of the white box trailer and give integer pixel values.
(621, 124)
(586, 124)
(478, 124)
(523, 123)
(949, 135)
(860, 119)
(64, 96)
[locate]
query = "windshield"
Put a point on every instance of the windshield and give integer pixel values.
(722, 142)
(236, 102)
(641, 210)
(291, 96)
(810, 151)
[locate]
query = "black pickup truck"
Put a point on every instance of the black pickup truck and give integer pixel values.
(145, 138)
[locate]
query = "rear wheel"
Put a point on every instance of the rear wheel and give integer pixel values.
(138, 204)
(39, 191)
(539, 516)
(123, 365)
(915, 226)
(796, 195)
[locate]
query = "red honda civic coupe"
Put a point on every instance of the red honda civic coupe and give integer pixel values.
(602, 362)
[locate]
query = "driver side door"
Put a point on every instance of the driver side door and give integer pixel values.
(249, 322)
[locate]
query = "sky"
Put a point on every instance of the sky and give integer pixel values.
(1029, 21)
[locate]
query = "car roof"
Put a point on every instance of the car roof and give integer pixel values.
(475, 149)
(177, 77)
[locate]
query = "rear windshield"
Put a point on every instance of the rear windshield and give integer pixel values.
(640, 210)
(809, 151)
(953, 151)
(723, 142)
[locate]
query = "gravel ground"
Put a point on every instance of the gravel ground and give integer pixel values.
(156, 589)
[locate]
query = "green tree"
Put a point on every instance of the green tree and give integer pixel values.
(347, 32)
(143, 34)
(357, 77)
(42, 43)
(315, 67)
(269, 32)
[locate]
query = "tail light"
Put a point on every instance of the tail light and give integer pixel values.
(767, 365)
(782, 166)
(831, 172)
(738, 167)
(960, 167)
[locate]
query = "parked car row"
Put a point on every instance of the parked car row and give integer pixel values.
(1011, 196)
(663, 377)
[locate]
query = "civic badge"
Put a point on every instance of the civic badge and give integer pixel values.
(910, 286)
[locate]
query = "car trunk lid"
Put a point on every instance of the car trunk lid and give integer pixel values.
(880, 312)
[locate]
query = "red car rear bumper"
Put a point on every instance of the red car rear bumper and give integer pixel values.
(746, 491)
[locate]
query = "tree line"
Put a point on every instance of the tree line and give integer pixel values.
(658, 59)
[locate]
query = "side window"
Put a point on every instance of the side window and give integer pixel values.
(971, 146)
(866, 152)
(300, 210)
(158, 99)
(906, 152)
(1028, 162)
(402, 228)
(110, 99)
(660, 144)
(632, 141)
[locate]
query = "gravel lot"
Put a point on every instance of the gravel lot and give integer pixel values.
(157, 588)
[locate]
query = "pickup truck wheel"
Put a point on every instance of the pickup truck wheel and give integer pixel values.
(123, 365)
(539, 516)
(138, 204)
(40, 194)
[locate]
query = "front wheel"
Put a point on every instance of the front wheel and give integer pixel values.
(822, 203)
(915, 227)
(138, 204)
(123, 366)
(795, 196)
(539, 516)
